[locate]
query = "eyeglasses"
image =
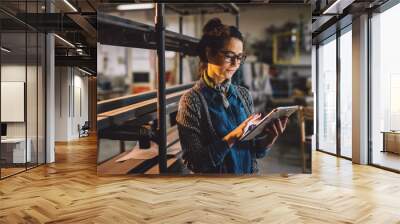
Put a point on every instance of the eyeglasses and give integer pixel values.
(231, 57)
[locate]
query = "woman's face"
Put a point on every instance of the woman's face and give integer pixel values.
(224, 64)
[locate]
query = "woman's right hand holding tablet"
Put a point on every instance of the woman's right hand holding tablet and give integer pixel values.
(274, 130)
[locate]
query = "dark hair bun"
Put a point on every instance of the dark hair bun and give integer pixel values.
(213, 26)
(215, 33)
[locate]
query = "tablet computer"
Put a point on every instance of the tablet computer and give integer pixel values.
(256, 127)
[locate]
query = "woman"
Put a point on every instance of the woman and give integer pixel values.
(212, 115)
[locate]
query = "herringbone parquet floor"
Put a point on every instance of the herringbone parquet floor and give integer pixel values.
(69, 191)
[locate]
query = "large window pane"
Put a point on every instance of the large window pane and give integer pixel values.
(14, 152)
(327, 96)
(385, 84)
(345, 94)
(23, 90)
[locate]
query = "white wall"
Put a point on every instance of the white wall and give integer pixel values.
(12, 73)
(70, 83)
(61, 103)
(79, 117)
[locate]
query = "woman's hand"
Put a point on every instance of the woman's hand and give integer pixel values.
(274, 130)
(232, 136)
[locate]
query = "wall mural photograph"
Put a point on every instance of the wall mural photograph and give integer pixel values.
(224, 94)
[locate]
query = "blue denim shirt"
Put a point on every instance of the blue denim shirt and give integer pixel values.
(237, 160)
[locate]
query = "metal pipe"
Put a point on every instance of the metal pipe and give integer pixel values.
(26, 89)
(162, 127)
(316, 96)
(338, 91)
(175, 9)
(46, 37)
(237, 20)
(180, 53)
(3, 11)
(234, 8)
(369, 89)
(37, 91)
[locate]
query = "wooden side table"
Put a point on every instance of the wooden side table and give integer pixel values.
(391, 141)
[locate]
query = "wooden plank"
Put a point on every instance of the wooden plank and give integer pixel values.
(131, 112)
(118, 102)
(156, 170)
(138, 105)
(127, 161)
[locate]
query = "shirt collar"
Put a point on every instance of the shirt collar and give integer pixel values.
(206, 82)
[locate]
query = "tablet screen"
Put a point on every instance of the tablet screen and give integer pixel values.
(256, 127)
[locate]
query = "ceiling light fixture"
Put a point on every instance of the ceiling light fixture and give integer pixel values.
(5, 50)
(70, 5)
(64, 40)
(135, 6)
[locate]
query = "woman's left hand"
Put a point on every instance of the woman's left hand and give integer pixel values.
(274, 130)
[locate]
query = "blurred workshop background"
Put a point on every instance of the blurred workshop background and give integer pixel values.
(277, 70)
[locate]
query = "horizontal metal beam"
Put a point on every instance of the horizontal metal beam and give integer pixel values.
(286, 2)
(321, 22)
(16, 19)
(337, 7)
(144, 114)
(127, 133)
(84, 24)
(49, 22)
(199, 9)
(138, 35)
(331, 29)
(75, 61)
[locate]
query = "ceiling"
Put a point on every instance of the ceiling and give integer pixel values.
(80, 27)
(325, 23)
